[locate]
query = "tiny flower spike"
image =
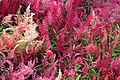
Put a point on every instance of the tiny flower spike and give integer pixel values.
(5, 38)
(85, 68)
(8, 9)
(65, 71)
(72, 74)
(90, 48)
(49, 54)
(3, 59)
(79, 60)
(31, 64)
(115, 64)
(11, 54)
(118, 78)
(63, 78)
(23, 72)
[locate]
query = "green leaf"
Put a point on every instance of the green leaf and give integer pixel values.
(78, 77)
(0, 33)
(118, 27)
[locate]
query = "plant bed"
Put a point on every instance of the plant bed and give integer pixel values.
(59, 39)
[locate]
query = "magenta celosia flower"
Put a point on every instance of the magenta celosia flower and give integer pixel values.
(11, 66)
(115, 64)
(5, 38)
(31, 64)
(2, 59)
(65, 71)
(118, 78)
(79, 60)
(107, 11)
(71, 73)
(63, 78)
(43, 78)
(11, 54)
(63, 25)
(8, 7)
(90, 48)
(49, 54)
(94, 77)
(24, 71)
(85, 68)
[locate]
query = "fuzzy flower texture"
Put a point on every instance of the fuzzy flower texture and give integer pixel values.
(59, 39)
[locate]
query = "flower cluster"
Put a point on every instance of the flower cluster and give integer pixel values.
(59, 40)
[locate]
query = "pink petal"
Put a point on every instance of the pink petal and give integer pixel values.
(85, 68)
(11, 54)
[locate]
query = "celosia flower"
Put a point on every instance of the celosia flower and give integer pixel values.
(11, 54)
(5, 38)
(115, 64)
(65, 71)
(85, 68)
(79, 60)
(63, 78)
(118, 78)
(8, 7)
(49, 54)
(72, 73)
(31, 64)
(90, 48)
(23, 72)
(67, 21)
(3, 59)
